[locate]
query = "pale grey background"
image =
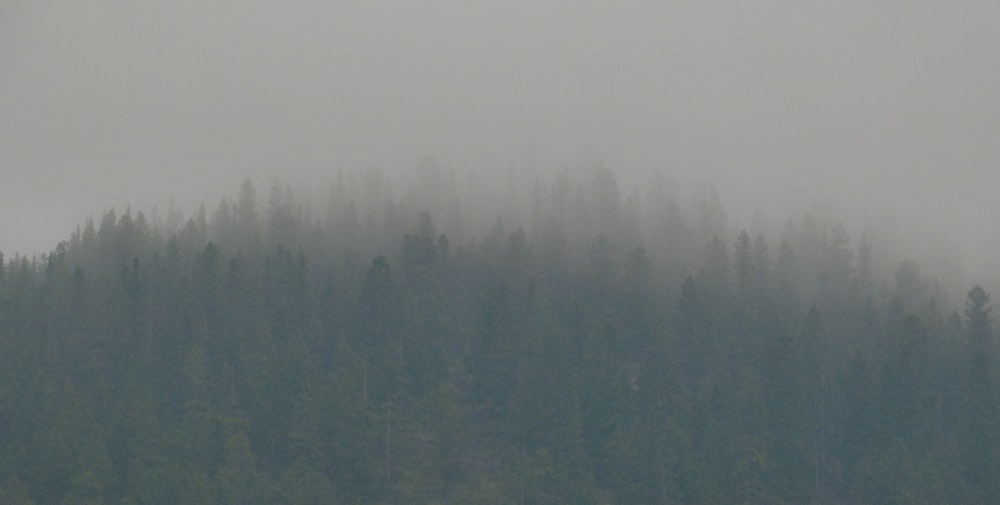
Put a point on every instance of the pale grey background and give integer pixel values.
(877, 104)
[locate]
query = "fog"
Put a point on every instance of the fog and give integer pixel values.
(885, 108)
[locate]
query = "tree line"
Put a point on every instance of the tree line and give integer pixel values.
(580, 347)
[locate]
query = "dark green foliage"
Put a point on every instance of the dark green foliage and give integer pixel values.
(979, 442)
(268, 357)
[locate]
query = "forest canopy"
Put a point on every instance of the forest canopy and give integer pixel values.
(557, 340)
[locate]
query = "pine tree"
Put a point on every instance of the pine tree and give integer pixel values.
(978, 435)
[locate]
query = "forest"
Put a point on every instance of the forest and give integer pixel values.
(553, 341)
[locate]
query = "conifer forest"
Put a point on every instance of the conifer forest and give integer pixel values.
(554, 340)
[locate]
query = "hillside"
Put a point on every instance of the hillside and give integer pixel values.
(571, 346)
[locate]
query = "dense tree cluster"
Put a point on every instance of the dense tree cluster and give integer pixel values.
(578, 349)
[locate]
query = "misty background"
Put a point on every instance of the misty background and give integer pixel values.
(886, 111)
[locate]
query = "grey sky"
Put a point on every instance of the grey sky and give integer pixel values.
(875, 103)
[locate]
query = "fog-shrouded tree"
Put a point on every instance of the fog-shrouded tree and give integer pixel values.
(978, 435)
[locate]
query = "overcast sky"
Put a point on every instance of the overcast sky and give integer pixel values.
(106, 103)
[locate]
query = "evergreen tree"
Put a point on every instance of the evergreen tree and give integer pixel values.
(978, 435)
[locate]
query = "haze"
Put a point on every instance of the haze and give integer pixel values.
(877, 106)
